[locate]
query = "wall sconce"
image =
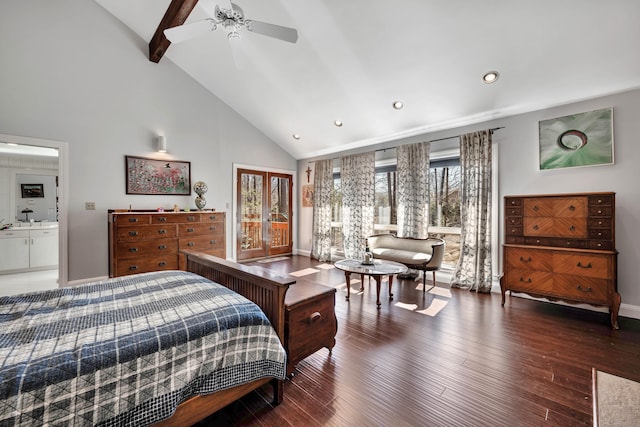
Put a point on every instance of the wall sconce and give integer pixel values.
(161, 144)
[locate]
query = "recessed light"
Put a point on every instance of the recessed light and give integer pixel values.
(296, 136)
(398, 105)
(338, 123)
(490, 77)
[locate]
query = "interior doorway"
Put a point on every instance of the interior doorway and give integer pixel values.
(264, 214)
(17, 147)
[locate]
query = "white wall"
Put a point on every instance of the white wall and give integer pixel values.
(71, 72)
(519, 174)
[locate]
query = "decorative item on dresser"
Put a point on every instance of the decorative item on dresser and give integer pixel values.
(562, 247)
(142, 241)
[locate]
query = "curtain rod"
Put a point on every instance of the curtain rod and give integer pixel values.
(433, 140)
(458, 136)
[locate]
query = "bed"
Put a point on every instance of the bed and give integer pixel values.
(164, 347)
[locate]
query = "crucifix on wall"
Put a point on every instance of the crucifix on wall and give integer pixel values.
(308, 171)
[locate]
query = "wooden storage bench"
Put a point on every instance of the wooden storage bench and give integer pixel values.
(310, 321)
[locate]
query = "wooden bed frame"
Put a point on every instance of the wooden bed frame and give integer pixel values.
(263, 288)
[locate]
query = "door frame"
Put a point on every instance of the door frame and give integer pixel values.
(63, 196)
(234, 204)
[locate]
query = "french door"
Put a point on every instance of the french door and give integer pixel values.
(264, 214)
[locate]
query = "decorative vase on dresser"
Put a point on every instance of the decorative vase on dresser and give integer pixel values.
(562, 247)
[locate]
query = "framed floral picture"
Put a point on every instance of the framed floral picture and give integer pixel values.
(151, 176)
(584, 139)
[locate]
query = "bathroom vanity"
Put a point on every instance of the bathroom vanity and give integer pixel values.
(29, 246)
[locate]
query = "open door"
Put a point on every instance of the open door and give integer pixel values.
(264, 214)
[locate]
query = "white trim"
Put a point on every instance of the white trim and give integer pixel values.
(63, 195)
(234, 198)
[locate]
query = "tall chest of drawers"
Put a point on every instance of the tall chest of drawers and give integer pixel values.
(562, 247)
(149, 241)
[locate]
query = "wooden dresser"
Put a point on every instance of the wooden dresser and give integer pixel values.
(562, 247)
(149, 241)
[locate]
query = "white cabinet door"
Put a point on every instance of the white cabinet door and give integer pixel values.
(14, 250)
(44, 248)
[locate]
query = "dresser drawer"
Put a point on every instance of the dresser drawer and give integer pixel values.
(600, 233)
(529, 259)
(144, 265)
(600, 222)
(208, 229)
(583, 289)
(206, 243)
(537, 282)
(146, 232)
(600, 211)
(174, 218)
(212, 217)
(146, 248)
(601, 200)
(586, 265)
(601, 245)
(124, 219)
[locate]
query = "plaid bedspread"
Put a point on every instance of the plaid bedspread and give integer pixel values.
(127, 351)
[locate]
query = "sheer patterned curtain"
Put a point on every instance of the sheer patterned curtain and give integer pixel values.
(473, 270)
(323, 186)
(357, 174)
(413, 190)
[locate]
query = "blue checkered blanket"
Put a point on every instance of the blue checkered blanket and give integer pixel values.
(127, 351)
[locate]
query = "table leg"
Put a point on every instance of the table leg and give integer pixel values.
(390, 283)
(362, 283)
(348, 280)
(378, 283)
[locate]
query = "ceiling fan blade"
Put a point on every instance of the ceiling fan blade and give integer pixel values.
(209, 6)
(276, 31)
(188, 31)
(237, 53)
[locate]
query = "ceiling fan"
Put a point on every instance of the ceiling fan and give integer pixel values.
(230, 17)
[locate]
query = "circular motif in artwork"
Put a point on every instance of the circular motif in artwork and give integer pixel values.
(572, 140)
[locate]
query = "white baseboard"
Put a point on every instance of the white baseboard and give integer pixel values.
(85, 281)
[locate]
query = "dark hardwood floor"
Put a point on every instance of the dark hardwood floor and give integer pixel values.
(475, 363)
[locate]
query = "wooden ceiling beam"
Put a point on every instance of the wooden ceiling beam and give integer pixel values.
(176, 14)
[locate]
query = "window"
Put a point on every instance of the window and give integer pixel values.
(444, 199)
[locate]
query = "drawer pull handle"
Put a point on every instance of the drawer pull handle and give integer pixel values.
(599, 245)
(599, 201)
(535, 227)
(162, 264)
(133, 219)
(191, 244)
(213, 242)
(133, 249)
(525, 260)
(584, 266)
(190, 230)
(191, 218)
(212, 228)
(162, 247)
(535, 208)
(572, 208)
(133, 267)
(162, 219)
(314, 317)
(133, 233)
(162, 231)
(513, 202)
(572, 228)
(580, 288)
(212, 217)
(527, 281)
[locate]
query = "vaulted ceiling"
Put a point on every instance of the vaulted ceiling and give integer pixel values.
(354, 58)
